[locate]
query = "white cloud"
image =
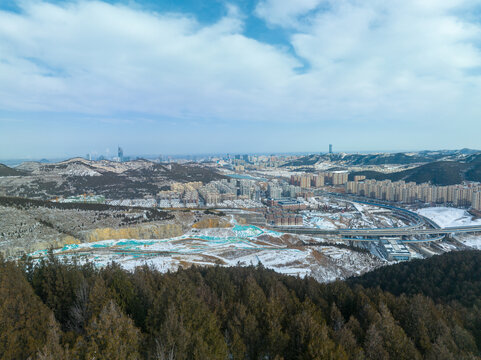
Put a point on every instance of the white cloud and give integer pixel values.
(398, 59)
(94, 57)
(285, 12)
(368, 63)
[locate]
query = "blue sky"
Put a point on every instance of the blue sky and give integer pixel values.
(170, 77)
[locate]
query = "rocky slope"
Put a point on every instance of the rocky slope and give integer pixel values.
(27, 225)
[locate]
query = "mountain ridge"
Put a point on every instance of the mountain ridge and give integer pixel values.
(437, 172)
(400, 158)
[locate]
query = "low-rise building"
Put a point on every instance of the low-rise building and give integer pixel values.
(394, 250)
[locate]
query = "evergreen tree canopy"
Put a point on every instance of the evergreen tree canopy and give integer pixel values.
(55, 310)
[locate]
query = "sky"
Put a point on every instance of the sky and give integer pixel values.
(246, 76)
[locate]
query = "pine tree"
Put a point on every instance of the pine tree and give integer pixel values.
(310, 336)
(112, 335)
(24, 321)
(52, 350)
(373, 345)
(395, 341)
(336, 318)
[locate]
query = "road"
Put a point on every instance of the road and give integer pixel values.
(416, 232)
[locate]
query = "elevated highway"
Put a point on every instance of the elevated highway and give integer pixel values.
(414, 240)
(406, 234)
(409, 232)
(422, 229)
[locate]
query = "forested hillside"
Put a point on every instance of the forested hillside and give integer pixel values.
(455, 276)
(56, 310)
(437, 173)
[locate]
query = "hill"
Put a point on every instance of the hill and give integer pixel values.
(402, 158)
(7, 171)
(72, 311)
(437, 173)
(114, 180)
(454, 276)
(361, 159)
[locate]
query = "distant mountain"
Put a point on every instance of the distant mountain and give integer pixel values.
(402, 158)
(361, 159)
(443, 167)
(464, 151)
(7, 171)
(28, 166)
(437, 173)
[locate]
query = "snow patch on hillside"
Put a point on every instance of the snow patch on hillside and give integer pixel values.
(79, 171)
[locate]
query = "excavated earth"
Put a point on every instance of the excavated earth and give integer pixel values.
(30, 225)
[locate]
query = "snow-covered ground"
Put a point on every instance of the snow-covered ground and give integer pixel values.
(238, 245)
(133, 202)
(452, 217)
(321, 222)
(447, 247)
(473, 241)
(448, 217)
(341, 216)
(79, 172)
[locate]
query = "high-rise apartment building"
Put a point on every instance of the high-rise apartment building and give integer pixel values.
(458, 195)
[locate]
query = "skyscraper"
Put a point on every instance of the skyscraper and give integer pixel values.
(120, 154)
(330, 148)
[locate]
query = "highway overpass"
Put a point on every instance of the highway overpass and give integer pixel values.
(422, 229)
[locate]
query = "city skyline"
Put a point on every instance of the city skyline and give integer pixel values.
(111, 154)
(256, 76)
